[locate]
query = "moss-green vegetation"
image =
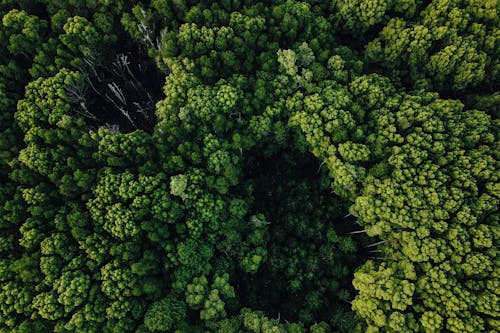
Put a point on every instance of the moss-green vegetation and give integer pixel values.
(249, 166)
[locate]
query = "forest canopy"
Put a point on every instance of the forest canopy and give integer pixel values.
(249, 166)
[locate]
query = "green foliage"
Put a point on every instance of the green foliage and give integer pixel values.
(309, 166)
(449, 47)
(164, 314)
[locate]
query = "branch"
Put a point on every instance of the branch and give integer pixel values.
(375, 244)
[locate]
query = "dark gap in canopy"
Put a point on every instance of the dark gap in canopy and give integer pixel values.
(311, 255)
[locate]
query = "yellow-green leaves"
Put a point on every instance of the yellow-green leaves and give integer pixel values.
(178, 185)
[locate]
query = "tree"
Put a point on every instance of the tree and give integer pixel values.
(165, 314)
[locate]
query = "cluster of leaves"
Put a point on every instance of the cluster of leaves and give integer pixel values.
(424, 179)
(225, 213)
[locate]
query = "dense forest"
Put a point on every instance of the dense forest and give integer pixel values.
(276, 166)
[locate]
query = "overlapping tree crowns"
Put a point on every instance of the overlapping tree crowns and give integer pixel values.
(224, 38)
(450, 47)
(116, 218)
(110, 232)
(54, 275)
(423, 173)
(82, 37)
(20, 34)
